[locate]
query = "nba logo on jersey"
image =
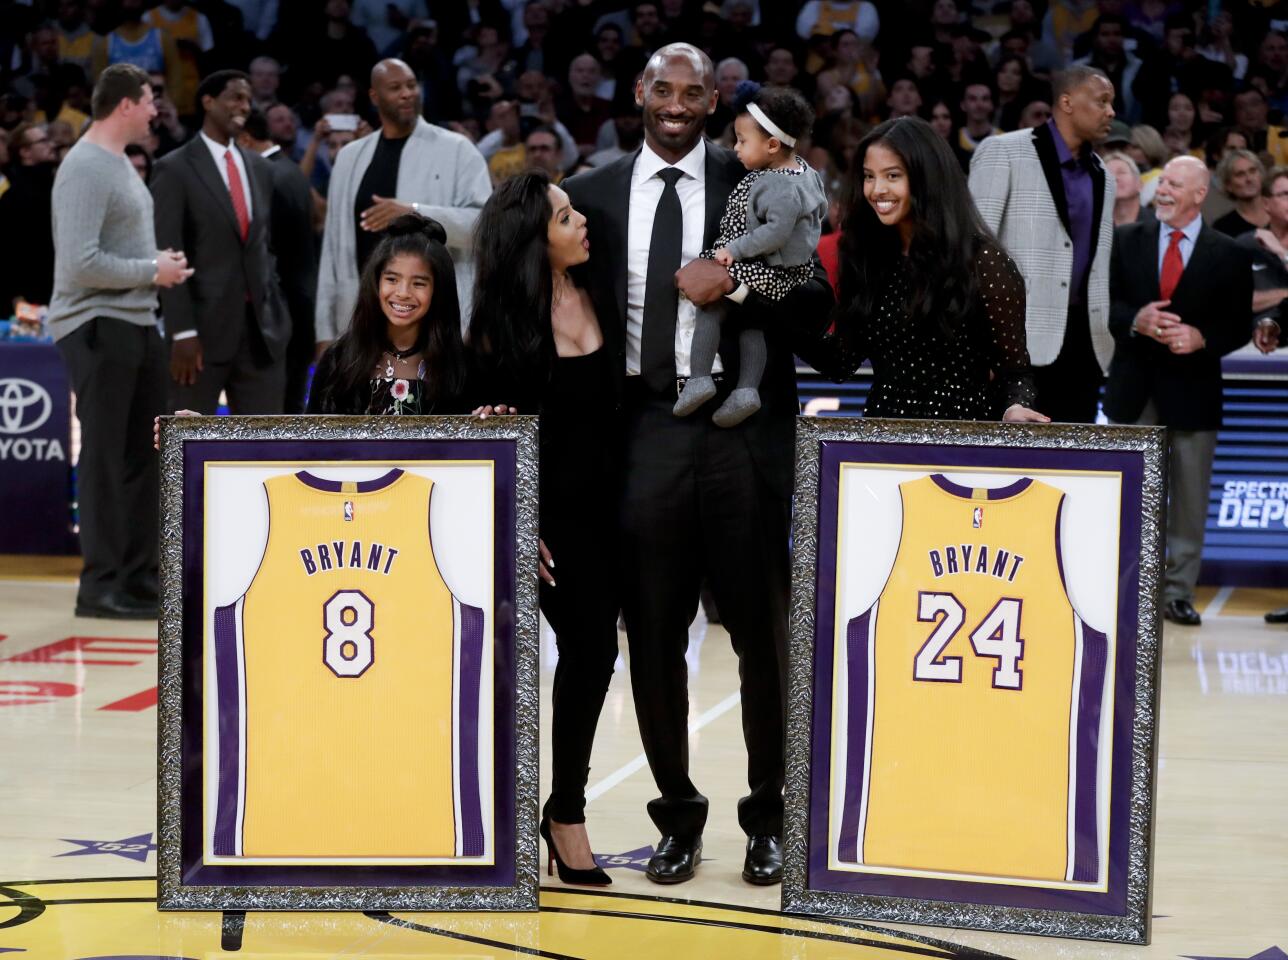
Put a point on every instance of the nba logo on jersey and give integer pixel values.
(977, 517)
(348, 510)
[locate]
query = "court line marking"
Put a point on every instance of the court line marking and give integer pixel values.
(1213, 608)
(641, 761)
(918, 950)
(962, 951)
(384, 916)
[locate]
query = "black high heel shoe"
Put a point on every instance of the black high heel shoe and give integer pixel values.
(594, 877)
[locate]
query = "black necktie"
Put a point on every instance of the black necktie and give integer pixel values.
(661, 298)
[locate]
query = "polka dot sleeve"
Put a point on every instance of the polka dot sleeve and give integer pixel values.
(1001, 288)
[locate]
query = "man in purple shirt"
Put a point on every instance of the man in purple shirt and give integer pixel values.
(1046, 195)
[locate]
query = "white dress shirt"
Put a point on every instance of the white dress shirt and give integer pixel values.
(646, 191)
(217, 151)
(1186, 243)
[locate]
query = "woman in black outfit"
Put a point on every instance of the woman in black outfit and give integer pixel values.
(537, 345)
(927, 294)
(402, 352)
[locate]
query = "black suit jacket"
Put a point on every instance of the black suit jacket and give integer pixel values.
(194, 213)
(1044, 143)
(293, 240)
(1214, 294)
(603, 196)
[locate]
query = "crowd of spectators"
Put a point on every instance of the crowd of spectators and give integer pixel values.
(550, 83)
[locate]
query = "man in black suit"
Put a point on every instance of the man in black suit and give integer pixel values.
(227, 332)
(295, 247)
(700, 501)
(1181, 298)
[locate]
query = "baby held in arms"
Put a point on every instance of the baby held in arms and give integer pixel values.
(768, 233)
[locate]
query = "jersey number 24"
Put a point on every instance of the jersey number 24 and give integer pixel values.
(997, 636)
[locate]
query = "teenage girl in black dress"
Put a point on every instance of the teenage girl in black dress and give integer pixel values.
(927, 294)
(537, 346)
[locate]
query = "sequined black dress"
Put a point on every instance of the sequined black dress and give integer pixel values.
(920, 371)
(380, 396)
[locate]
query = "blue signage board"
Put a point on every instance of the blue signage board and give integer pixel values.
(1247, 529)
(35, 450)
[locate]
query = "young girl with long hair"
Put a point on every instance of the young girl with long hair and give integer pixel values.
(403, 352)
(537, 345)
(926, 294)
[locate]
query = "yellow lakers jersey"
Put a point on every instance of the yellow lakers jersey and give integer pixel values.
(974, 694)
(348, 684)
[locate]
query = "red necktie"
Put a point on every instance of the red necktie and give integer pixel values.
(1173, 267)
(239, 196)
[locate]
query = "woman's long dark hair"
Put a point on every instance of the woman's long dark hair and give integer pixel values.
(946, 231)
(439, 341)
(510, 332)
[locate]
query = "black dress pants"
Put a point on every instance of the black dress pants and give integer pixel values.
(254, 381)
(695, 507)
(117, 371)
(582, 610)
(1068, 389)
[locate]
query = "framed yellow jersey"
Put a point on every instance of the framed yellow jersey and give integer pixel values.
(348, 684)
(973, 692)
(974, 621)
(348, 657)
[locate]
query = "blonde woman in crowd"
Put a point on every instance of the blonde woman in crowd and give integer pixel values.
(1146, 147)
(1127, 205)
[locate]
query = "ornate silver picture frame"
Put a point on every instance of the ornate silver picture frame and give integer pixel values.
(348, 709)
(973, 690)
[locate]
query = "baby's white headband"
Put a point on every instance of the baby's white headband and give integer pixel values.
(773, 129)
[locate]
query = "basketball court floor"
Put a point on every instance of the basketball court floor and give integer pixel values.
(78, 815)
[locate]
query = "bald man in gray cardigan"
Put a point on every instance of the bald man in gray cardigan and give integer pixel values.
(407, 166)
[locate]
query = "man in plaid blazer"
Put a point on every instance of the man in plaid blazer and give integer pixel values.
(1045, 194)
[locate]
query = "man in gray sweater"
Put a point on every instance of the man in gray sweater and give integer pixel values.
(103, 317)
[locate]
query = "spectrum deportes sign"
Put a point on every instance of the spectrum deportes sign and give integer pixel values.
(1254, 504)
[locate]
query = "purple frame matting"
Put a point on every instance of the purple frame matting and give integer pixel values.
(196, 455)
(1130, 466)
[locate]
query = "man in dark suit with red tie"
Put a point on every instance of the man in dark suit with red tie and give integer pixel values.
(1180, 299)
(213, 200)
(700, 501)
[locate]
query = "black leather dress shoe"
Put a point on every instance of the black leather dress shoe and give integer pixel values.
(145, 590)
(1182, 612)
(1277, 616)
(764, 862)
(115, 606)
(675, 860)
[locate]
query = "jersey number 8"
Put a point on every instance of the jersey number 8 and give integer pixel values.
(349, 649)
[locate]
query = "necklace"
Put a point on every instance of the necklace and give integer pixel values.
(401, 356)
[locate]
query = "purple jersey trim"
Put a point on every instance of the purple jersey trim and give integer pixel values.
(1059, 548)
(968, 493)
(337, 486)
(857, 641)
(1086, 848)
(229, 694)
(471, 825)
